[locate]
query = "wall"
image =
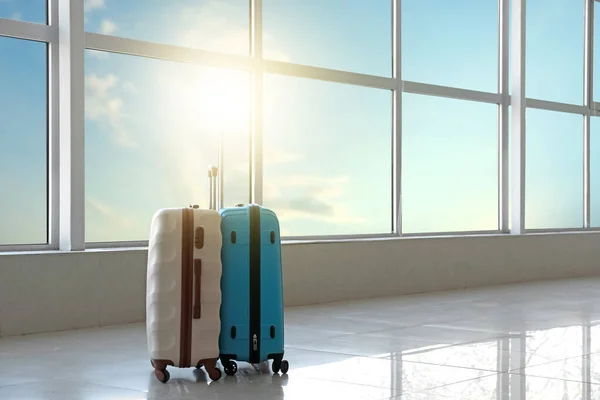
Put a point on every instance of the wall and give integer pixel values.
(46, 292)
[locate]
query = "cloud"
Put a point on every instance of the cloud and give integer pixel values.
(107, 27)
(106, 223)
(102, 208)
(274, 156)
(101, 55)
(109, 212)
(129, 87)
(90, 5)
(308, 196)
(271, 52)
(210, 27)
(102, 105)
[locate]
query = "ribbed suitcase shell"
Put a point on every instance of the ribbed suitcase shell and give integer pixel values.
(236, 286)
(164, 287)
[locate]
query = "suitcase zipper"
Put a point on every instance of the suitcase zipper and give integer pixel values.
(255, 317)
(187, 286)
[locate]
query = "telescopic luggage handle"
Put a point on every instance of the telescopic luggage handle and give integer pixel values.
(212, 183)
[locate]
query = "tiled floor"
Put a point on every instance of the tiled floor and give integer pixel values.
(531, 341)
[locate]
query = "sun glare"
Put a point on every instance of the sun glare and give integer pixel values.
(209, 99)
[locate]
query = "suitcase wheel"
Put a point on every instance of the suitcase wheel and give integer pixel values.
(230, 367)
(162, 375)
(280, 365)
(285, 366)
(215, 375)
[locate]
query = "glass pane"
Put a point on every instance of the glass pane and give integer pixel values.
(25, 10)
(554, 170)
(449, 165)
(149, 141)
(221, 26)
(328, 156)
(339, 34)
(23, 142)
(443, 44)
(596, 70)
(555, 40)
(595, 172)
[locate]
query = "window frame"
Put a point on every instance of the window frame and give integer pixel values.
(48, 34)
(66, 178)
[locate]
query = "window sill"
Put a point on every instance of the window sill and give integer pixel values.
(141, 246)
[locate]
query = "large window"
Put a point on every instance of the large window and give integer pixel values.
(555, 50)
(23, 142)
(443, 44)
(595, 172)
(378, 118)
(554, 192)
(339, 34)
(449, 165)
(328, 152)
(558, 68)
(149, 141)
(25, 10)
(220, 26)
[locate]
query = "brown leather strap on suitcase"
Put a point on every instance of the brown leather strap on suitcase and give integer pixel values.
(197, 287)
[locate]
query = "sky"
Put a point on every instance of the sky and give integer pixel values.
(152, 126)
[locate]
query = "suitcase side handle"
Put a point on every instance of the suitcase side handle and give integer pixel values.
(197, 288)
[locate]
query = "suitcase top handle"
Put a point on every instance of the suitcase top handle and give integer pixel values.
(212, 185)
(212, 171)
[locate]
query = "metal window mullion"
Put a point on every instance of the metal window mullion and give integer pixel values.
(27, 30)
(503, 366)
(71, 120)
(503, 116)
(517, 364)
(53, 155)
(397, 117)
(589, 103)
(450, 92)
(517, 132)
(586, 370)
(167, 52)
(256, 139)
(558, 107)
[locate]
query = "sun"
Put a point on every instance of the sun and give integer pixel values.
(212, 100)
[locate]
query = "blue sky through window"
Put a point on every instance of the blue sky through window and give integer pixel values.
(152, 126)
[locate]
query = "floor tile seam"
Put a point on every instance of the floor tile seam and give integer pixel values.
(335, 353)
(443, 347)
(26, 383)
(366, 385)
(468, 342)
(79, 381)
(87, 381)
(396, 327)
(406, 326)
(537, 376)
(407, 361)
(493, 371)
(540, 364)
(453, 383)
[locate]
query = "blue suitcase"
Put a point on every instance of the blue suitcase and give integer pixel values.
(251, 285)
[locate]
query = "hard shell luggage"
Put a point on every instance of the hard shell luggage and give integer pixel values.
(252, 321)
(183, 293)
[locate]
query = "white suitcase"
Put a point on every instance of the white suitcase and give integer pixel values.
(183, 296)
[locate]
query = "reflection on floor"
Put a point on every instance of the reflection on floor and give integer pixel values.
(531, 341)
